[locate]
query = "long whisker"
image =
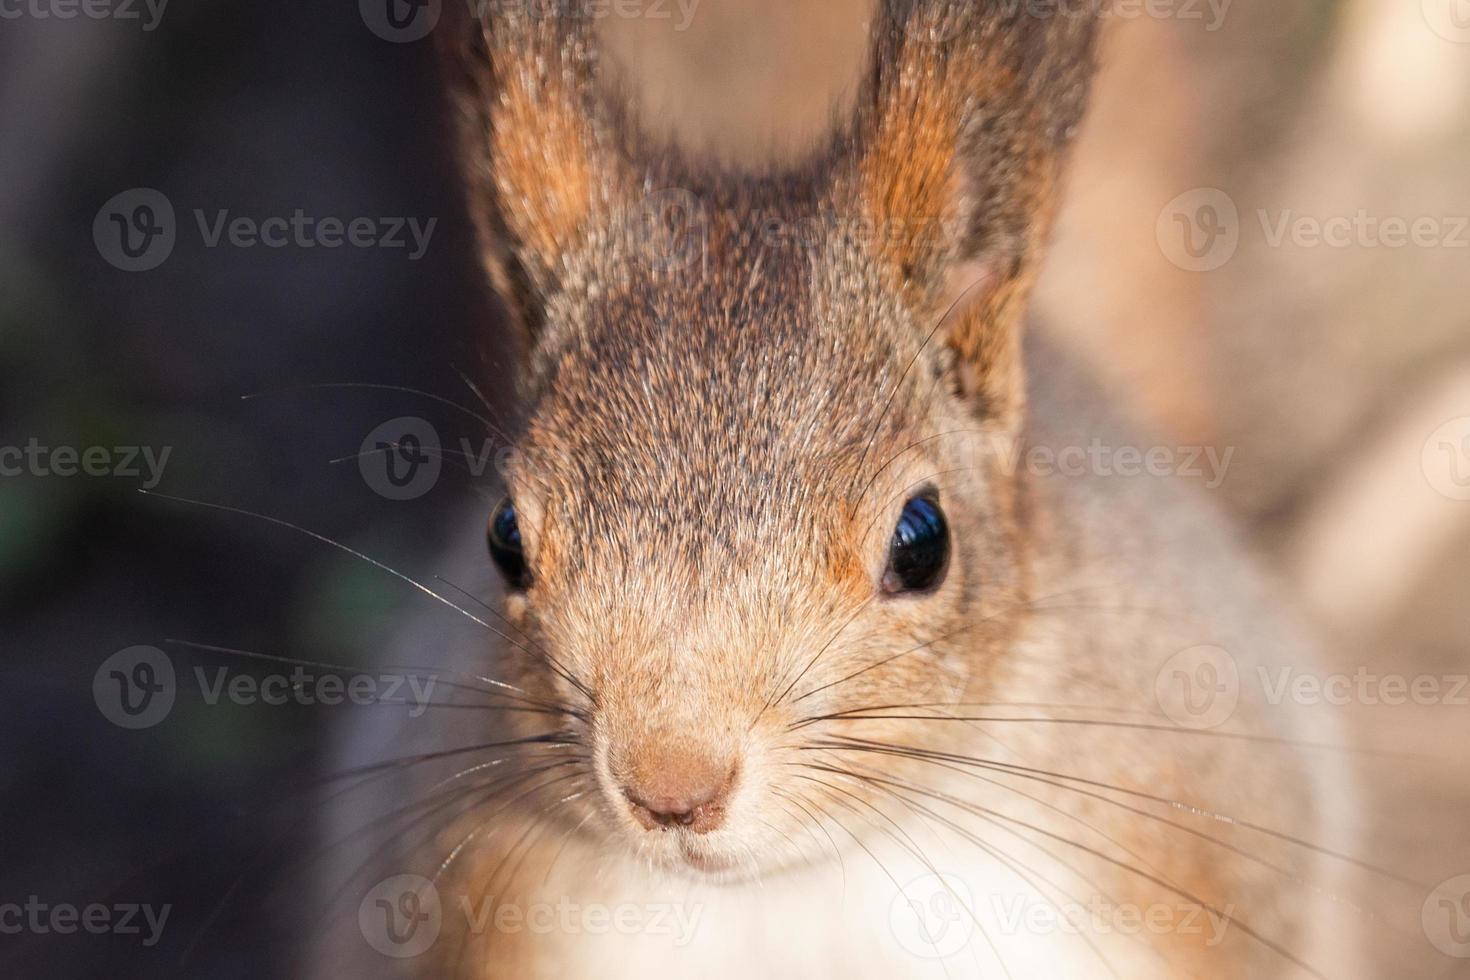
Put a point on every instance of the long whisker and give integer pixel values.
(898, 385)
(1000, 960)
(1025, 872)
(861, 714)
(908, 490)
(408, 761)
(556, 665)
(825, 646)
(997, 765)
(382, 387)
(910, 448)
(1185, 894)
(887, 660)
(499, 688)
(816, 822)
(226, 508)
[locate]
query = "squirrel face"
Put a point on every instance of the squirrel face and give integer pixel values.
(758, 488)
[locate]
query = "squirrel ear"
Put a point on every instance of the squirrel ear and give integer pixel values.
(956, 154)
(542, 168)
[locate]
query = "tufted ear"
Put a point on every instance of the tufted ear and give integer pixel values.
(544, 171)
(955, 154)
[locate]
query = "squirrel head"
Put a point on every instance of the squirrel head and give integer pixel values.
(758, 483)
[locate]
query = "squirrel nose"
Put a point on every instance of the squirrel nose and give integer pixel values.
(677, 789)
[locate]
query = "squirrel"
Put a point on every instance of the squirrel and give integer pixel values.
(799, 666)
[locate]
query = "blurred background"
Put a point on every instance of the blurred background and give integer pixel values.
(1266, 249)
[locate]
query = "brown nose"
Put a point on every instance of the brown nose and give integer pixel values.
(679, 789)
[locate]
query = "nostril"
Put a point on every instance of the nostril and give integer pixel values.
(653, 815)
(668, 797)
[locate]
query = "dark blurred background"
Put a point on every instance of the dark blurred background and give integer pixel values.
(260, 109)
(1328, 370)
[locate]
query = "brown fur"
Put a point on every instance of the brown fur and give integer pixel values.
(718, 442)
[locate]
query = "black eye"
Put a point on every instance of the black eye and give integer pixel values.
(919, 554)
(505, 545)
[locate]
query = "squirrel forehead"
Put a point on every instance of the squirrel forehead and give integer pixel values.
(746, 304)
(770, 373)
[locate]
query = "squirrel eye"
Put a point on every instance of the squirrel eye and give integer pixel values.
(504, 538)
(919, 553)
